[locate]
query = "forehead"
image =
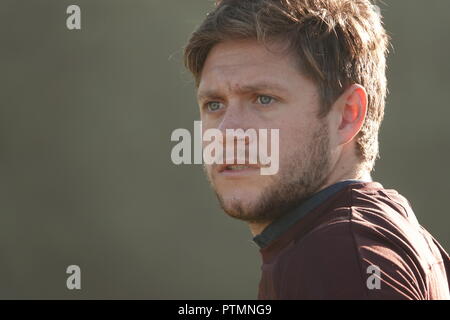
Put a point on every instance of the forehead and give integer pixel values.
(242, 62)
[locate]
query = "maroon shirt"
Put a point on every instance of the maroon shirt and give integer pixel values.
(355, 241)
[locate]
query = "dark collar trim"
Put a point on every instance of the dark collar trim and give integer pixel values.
(278, 227)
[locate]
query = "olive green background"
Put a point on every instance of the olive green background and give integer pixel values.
(85, 170)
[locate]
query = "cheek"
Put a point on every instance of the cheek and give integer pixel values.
(293, 136)
(208, 122)
(295, 145)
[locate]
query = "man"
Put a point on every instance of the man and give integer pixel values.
(315, 70)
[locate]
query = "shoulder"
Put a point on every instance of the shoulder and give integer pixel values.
(356, 254)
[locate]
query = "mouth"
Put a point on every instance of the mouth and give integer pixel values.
(238, 169)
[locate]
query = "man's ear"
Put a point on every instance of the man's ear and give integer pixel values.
(351, 112)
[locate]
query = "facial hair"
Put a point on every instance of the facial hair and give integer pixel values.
(303, 174)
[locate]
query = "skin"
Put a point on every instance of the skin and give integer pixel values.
(314, 153)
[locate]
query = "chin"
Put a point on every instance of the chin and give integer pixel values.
(241, 197)
(254, 210)
(240, 203)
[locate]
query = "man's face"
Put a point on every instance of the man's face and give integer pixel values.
(245, 86)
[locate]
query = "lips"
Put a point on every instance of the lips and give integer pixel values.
(236, 169)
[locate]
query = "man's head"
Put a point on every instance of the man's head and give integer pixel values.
(314, 69)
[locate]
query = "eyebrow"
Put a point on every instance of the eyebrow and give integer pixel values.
(259, 86)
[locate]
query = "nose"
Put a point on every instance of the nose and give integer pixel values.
(234, 126)
(235, 117)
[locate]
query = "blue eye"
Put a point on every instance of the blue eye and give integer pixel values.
(265, 100)
(213, 106)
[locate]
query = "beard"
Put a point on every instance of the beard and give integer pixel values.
(303, 174)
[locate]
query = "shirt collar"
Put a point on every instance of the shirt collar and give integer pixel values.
(279, 226)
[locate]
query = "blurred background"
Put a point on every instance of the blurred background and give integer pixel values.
(85, 171)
